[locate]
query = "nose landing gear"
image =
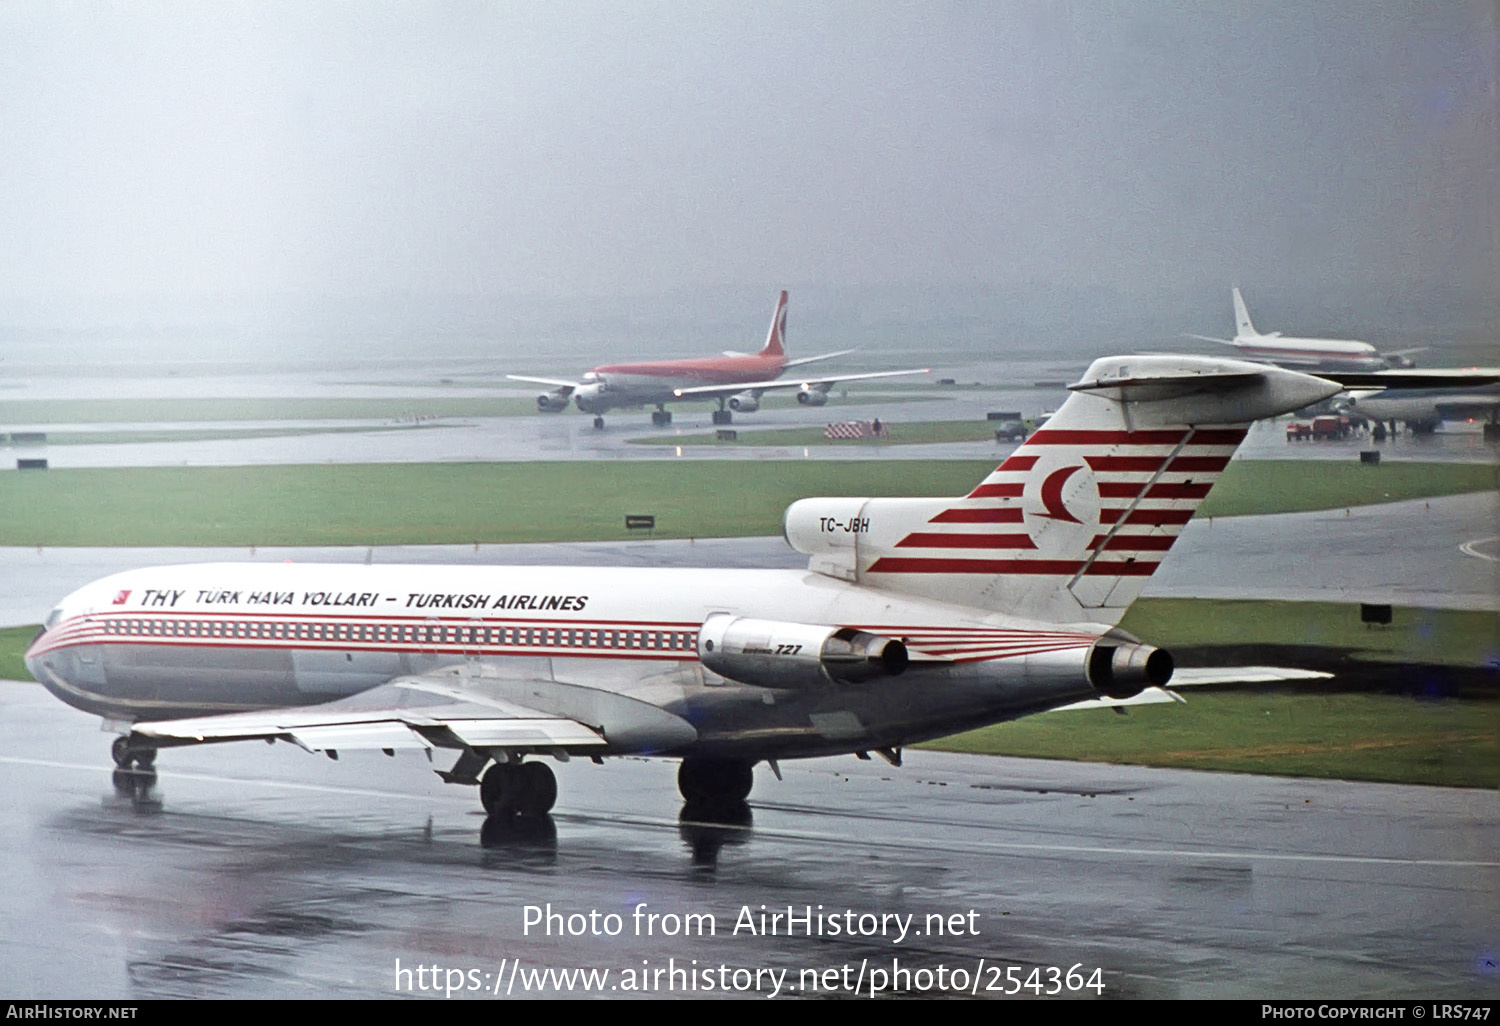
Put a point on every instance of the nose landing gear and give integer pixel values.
(126, 756)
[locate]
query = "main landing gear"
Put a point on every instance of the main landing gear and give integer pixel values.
(598, 423)
(704, 781)
(661, 417)
(127, 757)
(518, 788)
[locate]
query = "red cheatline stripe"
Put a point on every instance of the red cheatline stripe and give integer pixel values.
(1008, 490)
(1196, 464)
(1130, 489)
(1125, 464)
(1144, 517)
(1135, 543)
(475, 618)
(1145, 464)
(1019, 646)
(980, 515)
(950, 540)
(1049, 567)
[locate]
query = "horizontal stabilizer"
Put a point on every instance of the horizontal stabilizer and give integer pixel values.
(1473, 377)
(554, 382)
(815, 359)
(1168, 386)
(1150, 696)
(1189, 677)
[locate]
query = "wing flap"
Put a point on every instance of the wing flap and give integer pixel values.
(540, 732)
(408, 713)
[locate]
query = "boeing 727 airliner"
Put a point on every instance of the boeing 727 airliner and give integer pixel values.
(915, 618)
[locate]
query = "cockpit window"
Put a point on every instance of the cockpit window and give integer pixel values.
(53, 617)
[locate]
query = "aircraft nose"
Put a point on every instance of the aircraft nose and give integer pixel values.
(30, 656)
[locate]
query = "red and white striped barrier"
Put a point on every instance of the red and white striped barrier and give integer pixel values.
(856, 429)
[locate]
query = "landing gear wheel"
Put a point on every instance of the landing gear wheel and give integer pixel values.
(538, 789)
(599, 423)
(715, 781)
(497, 789)
(661, 418)
(126, 757)
(723, 417)
(519, 789)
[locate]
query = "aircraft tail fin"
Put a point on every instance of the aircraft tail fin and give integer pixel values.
(1242, 326)
(1071, 526)
(776, 337)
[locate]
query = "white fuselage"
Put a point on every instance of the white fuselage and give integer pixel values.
(196, 640)
(1312, 353)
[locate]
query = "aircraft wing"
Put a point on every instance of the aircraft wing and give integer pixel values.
(767, 386)
(554, 382)
(445, 710)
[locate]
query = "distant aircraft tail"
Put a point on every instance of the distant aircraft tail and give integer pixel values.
(776, 337)
(1242, 326)
(1070, 527)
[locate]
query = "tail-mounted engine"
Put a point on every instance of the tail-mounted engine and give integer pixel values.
(1124, 669)
(775, 654)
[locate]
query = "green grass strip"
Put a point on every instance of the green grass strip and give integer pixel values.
(413, 504)
(13, 643)
(1298, 486)
(127, 436)
(416, 504)
(1452, 743)
(1431, 637)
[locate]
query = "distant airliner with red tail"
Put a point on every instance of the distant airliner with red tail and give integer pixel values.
(735, 380)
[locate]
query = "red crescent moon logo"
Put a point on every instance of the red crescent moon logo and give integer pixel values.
(1052, 495)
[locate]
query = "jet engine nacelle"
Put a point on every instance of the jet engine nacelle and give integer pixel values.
(552, 402)
(1119, 669)
(589, 398)
(811, 395)
(744, 402)
(777, 654)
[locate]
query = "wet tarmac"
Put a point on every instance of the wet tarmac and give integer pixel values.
(570, 435)
(248, 871)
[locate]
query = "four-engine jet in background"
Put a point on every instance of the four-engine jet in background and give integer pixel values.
(915, 618)
(1310, 354)
(735, 380)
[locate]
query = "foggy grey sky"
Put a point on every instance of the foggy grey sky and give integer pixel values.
(192, 153)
